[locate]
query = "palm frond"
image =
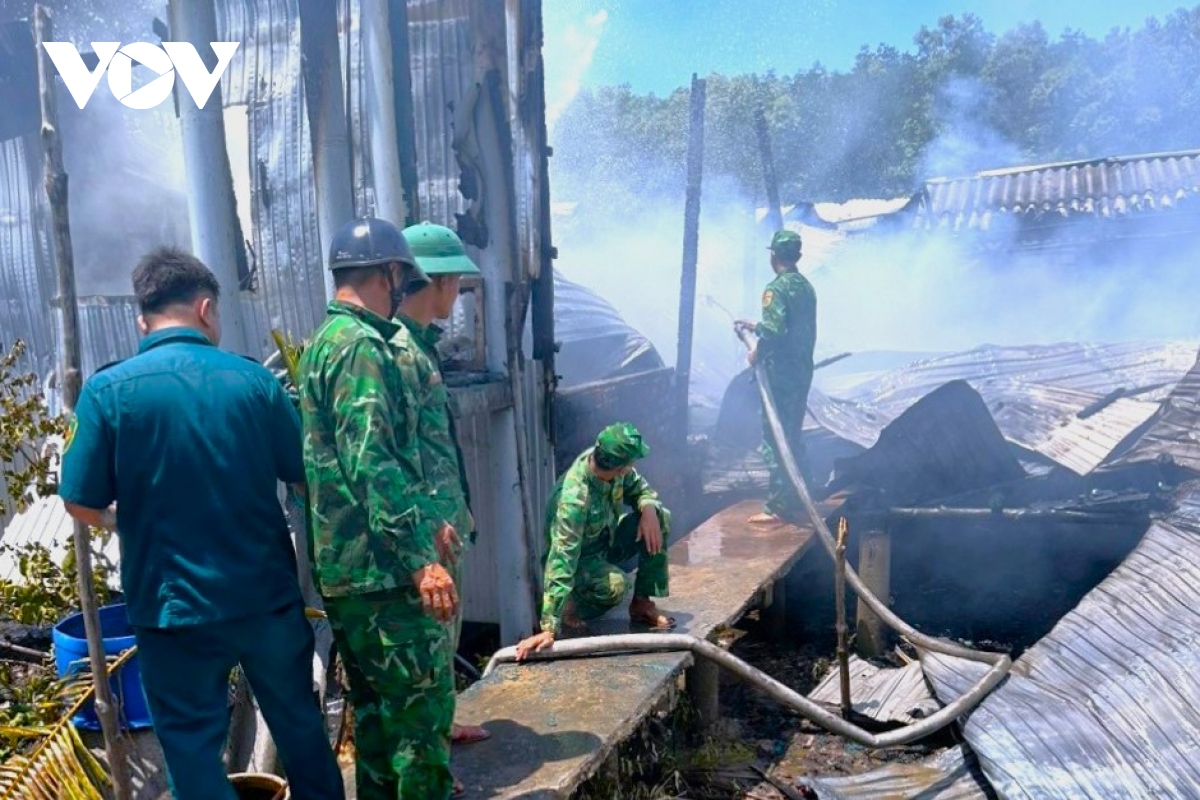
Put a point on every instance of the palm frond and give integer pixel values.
(289, 352)
(60, 766)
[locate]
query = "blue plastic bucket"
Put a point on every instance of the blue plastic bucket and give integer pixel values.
(71, 656)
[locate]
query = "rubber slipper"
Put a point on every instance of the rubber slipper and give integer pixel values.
(652, 621)
(469, 734)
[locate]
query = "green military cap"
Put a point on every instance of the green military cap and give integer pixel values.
(619, 444)
(786, 244)
(438, 250)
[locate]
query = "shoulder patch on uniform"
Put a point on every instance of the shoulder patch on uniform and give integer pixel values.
(768, 296)
(72, 426)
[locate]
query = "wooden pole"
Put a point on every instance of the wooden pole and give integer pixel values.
(70, 382)
(774, 210)
(843, 651)
(691, 253)
(875, 569)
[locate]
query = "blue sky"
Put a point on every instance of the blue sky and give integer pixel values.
(655, 45)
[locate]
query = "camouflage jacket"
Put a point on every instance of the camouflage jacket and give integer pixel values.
(441, 457)
(374, 515)
(581, 517)
(788, 331)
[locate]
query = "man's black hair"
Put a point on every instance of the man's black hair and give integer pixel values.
(355, 277)
(168, 276)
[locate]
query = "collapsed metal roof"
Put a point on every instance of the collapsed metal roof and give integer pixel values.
(1105, 187)
(1106, 704)
(1073, 405)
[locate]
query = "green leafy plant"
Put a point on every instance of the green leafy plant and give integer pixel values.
(46, 592)
(25, 423)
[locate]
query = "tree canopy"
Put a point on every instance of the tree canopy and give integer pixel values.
(963, 100)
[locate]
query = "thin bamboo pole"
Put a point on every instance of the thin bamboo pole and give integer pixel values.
(843, 651)
(70, 383)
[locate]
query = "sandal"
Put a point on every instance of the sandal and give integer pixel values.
(469, 734)
(652, 618)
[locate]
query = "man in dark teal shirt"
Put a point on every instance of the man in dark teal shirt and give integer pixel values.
(190, 443)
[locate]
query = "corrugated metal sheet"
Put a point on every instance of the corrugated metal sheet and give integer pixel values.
(952, 774)
(288, 286)
(1106, 187)
(1108, 703)
(1044, 419)
(108, 330)
(1175, 433)
(1034, 394)
(442, 54)
(888, 695)
(26, 279)
(45, 523)
(946, 444)
(1086, 367)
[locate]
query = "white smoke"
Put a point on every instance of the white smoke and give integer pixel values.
(568, 52)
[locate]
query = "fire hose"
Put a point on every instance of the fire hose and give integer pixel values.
(999, 663)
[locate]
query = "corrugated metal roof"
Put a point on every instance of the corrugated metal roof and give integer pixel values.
(1176, 431)
(952, 774)
(1108, 703)
(1045, 419)
(1034, 394)
(887, 695)
(946, 444)
(45, 523)
(1104, 187)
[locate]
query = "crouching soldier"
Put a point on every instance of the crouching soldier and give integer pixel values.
(589, 538)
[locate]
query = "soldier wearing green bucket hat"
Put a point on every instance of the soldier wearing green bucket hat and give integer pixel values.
(590, 536)
(441, 256)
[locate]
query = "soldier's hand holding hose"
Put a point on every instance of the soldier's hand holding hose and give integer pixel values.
(438, 594)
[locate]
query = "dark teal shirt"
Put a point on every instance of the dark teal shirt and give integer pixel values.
(190, 441)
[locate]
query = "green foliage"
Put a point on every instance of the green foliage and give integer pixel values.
(24, 423)
(46, 592)
(879, 129)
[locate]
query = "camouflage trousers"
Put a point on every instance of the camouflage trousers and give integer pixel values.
(791, 400)
(600, 583)
(402, 689)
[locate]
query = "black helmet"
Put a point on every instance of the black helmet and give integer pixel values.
(369, 242)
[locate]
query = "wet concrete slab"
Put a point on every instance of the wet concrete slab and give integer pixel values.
(553, 723)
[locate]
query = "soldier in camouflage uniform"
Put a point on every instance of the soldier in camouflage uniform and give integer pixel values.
(441, 256)
(375, 523)
(787, 336)
(589, 536)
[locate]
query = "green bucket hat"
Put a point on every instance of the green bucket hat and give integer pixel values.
(438, 250)
(618, 445)
(786, 245)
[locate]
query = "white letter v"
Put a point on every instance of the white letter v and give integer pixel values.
(198, 80)
(80, 83)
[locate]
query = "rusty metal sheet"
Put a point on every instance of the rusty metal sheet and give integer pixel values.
(952, 774)
(553, 723)
(1108, 703)
(897, 694)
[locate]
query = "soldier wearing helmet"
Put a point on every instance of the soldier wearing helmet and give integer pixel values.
(787, 336)
(601, 514)
(442, 258)
(376, 520)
